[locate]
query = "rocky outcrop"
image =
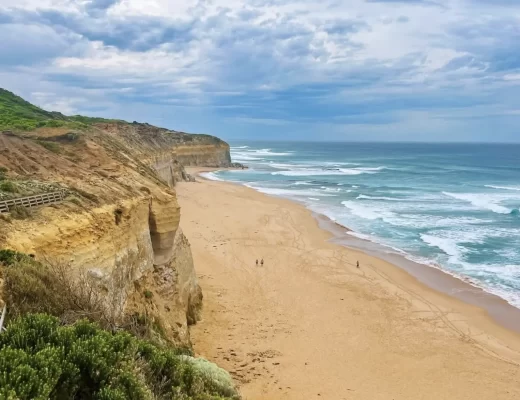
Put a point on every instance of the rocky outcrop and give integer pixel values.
(164, 220)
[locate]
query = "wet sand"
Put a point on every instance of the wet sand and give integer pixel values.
(309, 324)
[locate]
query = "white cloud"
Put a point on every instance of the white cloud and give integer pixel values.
(265, 54)
(512, 77)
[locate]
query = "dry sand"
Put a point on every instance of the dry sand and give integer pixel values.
(310, 325)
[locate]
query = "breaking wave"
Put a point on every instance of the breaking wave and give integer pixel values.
(481, 200)
(515, 188)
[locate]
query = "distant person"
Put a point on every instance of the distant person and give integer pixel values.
(262, 262)
(357, 264)
(257, 261)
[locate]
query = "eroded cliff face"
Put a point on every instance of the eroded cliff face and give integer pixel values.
(206, 155)
(166, 151)
(120, 220)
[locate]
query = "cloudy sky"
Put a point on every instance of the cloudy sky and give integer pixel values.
(432, 70)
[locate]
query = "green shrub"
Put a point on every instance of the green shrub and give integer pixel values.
(40, 359)
(11, 257)
(8, 186)
(3, 173)
(148, 294)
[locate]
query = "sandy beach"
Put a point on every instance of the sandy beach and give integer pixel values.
(308, 324)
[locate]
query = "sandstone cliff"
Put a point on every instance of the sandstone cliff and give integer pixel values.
(120, 219)
(168, 151)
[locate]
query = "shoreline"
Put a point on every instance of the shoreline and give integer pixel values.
(309, 324)
(437, 278)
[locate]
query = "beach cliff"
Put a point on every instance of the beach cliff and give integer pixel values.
(119, 218)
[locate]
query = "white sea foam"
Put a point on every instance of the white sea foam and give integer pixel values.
(493, 278)
(313, 198)
(370, 169)
(314, 172)
(268, 152)
(211, 176)
(422, 221)
(448, 246)
(243, 156)
(333, 190)
(337, 163)
(326, 172)
(362, 196)
(302, 183)
(365, 212)
(515, 188)
(239, 147)
(480, 200)
(284, 165)
(290, 193)
(360, 235)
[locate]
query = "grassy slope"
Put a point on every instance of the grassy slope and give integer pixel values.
(18, 114)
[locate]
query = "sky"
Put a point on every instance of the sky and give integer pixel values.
(342, 70)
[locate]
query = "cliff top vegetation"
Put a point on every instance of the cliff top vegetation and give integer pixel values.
(20, 115)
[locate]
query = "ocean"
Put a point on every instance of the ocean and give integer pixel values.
(449, 206)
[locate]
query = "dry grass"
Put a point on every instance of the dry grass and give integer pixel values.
(56, 289)
(19, 212)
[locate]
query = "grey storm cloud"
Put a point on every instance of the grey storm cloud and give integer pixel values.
(272, 59)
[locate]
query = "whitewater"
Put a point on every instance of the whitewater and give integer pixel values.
(453, 206)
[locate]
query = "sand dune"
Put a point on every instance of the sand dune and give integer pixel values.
(310, 325)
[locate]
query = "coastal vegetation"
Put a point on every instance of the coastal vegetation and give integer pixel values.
(19, 115)
(95, 329)
(61, 343)
(42, 359)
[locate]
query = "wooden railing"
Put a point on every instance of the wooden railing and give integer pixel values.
(32, 201)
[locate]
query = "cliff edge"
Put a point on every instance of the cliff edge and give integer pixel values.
(119, 218)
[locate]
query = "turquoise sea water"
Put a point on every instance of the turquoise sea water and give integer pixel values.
(454, 206)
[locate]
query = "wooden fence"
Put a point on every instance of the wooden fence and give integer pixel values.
(32, 201)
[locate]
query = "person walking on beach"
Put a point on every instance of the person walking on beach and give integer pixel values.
(257, 261)
(262, 262)
(357, 264)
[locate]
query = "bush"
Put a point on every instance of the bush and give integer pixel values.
(3, 173)
(8, 186)
(55, 123)
(10, 257)
(34, 287)
(39, 359)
